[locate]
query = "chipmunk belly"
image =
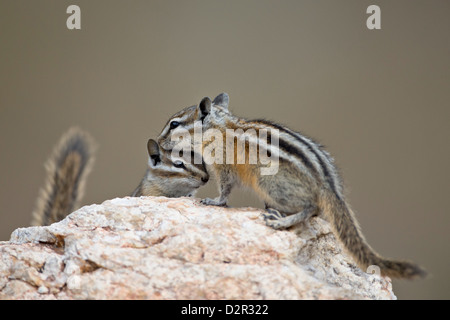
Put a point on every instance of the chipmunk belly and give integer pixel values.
(246, 174)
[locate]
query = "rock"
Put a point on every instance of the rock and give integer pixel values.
(161, 248)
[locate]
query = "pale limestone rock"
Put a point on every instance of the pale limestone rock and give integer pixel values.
(160, 248)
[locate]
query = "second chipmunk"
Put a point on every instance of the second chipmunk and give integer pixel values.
(72, 160)
(306, 184)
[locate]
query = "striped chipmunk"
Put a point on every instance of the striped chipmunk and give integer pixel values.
(71, 162)
(305, 183)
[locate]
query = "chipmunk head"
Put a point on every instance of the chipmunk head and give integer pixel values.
(174, 176)
(203, 113)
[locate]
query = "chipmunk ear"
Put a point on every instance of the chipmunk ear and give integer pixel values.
(222, 100)
(205, 107)
(153, 152)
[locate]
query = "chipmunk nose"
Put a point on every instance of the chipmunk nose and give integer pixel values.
(205, 180)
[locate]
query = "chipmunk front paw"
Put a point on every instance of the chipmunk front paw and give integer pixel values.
(214, 202)
(273, 218)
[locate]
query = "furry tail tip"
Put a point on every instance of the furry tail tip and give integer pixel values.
(401, 269)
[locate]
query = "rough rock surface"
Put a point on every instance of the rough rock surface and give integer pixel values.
(160, 248)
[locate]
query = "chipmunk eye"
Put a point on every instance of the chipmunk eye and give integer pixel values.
(174, 124)
(178, 164)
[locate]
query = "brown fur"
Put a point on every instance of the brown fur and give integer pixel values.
(67, 170)
(147, 189)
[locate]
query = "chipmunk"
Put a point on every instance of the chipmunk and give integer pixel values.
(168, 176)
(306, 184)
(72, 160)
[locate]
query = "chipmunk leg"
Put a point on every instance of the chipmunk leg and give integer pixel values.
(226, 183)
(278, 220)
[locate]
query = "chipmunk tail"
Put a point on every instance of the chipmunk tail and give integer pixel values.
(347, 230)
(66, 171)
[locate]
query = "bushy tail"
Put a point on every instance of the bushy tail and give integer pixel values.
(348, 232)
(66, 170)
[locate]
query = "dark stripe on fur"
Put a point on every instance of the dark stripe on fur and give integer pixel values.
(297, 136)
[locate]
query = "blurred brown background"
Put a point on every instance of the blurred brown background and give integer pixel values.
(378, 99)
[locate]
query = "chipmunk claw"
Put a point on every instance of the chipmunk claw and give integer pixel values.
(213, 202)
(273, 218)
